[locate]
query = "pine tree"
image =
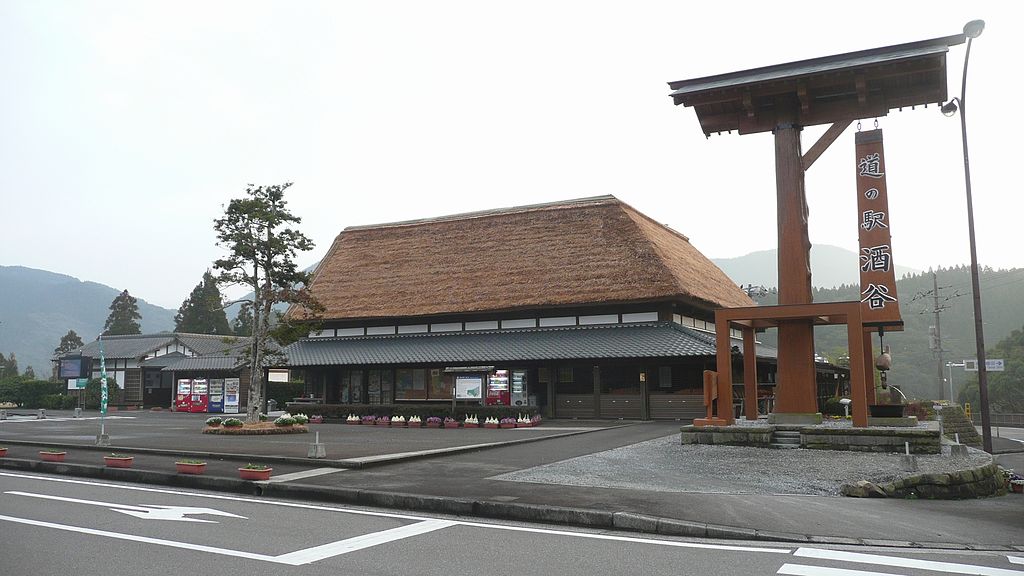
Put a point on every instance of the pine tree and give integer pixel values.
(124, 316)
(242, 324)
(68, 343)
(262, 250)
(202, 312)
(30, 373)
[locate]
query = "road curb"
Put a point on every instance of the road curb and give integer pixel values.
(567, 516)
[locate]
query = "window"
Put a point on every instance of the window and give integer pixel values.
(620, 380)
(410, 384)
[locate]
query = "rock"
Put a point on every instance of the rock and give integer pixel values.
(862, 489)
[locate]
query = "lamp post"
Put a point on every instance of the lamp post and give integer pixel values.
(950, 365)
(972, 30)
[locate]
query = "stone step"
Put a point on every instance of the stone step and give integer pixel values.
(786, 441)
(785, 446)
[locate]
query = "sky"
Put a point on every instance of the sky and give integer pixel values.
(127, 127)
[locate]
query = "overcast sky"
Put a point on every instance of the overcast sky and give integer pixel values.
(125, 127)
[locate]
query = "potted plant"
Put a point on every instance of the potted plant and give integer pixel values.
(116, 460)
(536, 419)
(255, 472)
(316, 419)
(284, 420)
(232, 423)
(433, 422)
(398, 421)
(415, 422)
(3, 451)
(352, 419)
(384, 421)
(450, 422)
(471, 421)
(214, 421)
(491, 422)
(369, 420)
(190, 466)
(52, 455)
(507, 422)
(523, 422)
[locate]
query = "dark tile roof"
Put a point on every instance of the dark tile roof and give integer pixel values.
(198, 363)
(641, 340)
(138, 345)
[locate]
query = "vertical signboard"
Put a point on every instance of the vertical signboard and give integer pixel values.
(879, 303)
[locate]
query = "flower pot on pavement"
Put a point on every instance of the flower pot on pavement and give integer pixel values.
(190, 467)
(3, 452)
(255, 473)
(118, 461)
(52, 456)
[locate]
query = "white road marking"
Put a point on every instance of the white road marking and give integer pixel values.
(146, 512)
(897, 562)
(1015, 559)
(304, 474)
(314, 554)
(297, 558)
(18, 419)
(407, 516)
(802, 570)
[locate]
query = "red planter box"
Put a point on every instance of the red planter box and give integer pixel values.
(351, 421)
(468, 425)
(115, 462)
(490, 425)
(187, 468)
(250, 474)
(52, 456)
(433, 424)
(509, 425)
(3, 452)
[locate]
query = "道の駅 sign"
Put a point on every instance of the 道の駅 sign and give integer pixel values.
(879, 302)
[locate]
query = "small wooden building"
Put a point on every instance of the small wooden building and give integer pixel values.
(142, 368)
(584, 308)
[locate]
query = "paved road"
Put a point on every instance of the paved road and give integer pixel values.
(60, 525)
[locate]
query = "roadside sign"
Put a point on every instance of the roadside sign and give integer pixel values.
(81, 383)
(991, 365)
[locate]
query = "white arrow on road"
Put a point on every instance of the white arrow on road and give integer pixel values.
(146, 512)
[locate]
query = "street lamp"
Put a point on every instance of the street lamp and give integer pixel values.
(972, 30)
(950, 366)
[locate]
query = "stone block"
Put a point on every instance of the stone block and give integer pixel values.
(794, 418)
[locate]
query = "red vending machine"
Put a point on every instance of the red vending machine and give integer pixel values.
(183, 400)
(497, 388)
(200, 395)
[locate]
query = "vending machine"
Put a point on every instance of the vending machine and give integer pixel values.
(519, 392)
(231, 391)
(497, 388)
(183, 400)
(216, 403)
(200, 395)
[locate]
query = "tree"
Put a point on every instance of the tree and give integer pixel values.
(124, 316)
(29, 373)
(68, 343)
(242, 324)
(262, 247)
(1005, 393)
(203, 311)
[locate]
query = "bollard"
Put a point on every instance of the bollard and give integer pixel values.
(908, 462)
(3, 414)
(42, 414)
(78, 412)
(317, 450)
(103, 439)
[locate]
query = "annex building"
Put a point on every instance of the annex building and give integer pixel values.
(584, 308)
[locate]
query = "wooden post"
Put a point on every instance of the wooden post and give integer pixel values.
(749, 374)
(869, 367)
(858, 378)
(795, 388)
(724, 368)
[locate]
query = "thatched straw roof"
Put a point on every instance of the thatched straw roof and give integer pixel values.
(578, 252)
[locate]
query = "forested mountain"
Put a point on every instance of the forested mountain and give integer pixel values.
(831, 266)
(915, 366)
(39, 307)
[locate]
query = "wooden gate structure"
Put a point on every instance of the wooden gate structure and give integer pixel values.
(783, 99)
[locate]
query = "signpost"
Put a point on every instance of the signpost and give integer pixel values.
(991, 365)
(103, 439)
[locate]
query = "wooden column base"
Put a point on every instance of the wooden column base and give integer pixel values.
(713, 421)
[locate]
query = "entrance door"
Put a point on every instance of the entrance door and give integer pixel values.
(157, 389)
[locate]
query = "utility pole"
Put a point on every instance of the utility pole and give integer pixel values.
(938, 333)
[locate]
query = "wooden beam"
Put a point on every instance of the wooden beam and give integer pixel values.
(824, 142)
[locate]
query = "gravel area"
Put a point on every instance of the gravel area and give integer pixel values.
(665, 465)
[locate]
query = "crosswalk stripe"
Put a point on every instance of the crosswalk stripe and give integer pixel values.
(802, 570)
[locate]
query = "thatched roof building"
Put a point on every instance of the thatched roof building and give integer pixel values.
(579, 252)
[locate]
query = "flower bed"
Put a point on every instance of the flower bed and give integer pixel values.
(260, 428)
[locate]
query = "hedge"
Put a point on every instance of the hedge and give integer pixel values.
(284, 392)
(424, 411)
(31, 393)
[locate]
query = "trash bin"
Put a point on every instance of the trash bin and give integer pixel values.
(271, 405)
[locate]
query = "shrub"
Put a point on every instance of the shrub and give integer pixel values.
(284, 420)
(232, 423)
(832, 407)
(301, 418)
(215, 421)
(923, 410)
(424, 410)
(31, 393)
(57, 402)
(284, 392)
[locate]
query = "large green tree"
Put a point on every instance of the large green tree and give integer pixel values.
(257, 233)
(124, 316)
(68, 343)
(1006, 388)
(203, 311)
(242, 324)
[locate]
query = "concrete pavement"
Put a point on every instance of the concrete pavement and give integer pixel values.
(459, 475)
